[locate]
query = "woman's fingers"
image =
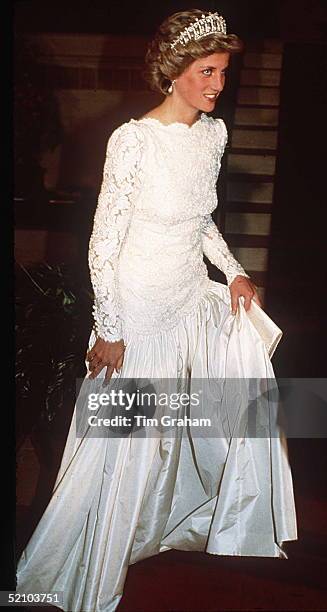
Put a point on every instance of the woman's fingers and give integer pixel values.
(95, 362)
(119, 363)
(109, 355)
(256, 299)
(242, 287)
(235, 297)
(96, 365)
(92, 353)
(248, 297)
(234, 300)
(247, 300)
(109, 371)
(96, 370)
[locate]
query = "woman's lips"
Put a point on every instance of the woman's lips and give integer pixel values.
(211, 96)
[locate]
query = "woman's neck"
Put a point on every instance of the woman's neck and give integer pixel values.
(171, 111)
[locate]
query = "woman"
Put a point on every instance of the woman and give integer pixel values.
(159, 318)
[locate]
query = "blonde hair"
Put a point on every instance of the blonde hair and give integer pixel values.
(163, 64)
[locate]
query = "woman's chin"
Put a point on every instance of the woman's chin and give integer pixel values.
(207, 105)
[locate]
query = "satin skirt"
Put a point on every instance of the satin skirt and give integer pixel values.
(119, 500)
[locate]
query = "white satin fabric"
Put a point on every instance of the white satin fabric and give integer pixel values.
(119, 500)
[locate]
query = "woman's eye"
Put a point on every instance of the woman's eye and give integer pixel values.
(207, 71)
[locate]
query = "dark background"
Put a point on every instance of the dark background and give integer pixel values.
(254, 17)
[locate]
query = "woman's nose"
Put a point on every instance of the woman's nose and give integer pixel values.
(218, 82)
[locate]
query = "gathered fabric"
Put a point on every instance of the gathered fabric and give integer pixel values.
(119, 500)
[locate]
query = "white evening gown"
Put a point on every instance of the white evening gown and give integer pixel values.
(119, 500)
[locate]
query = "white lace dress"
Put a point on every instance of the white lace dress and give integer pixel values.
(120, 499)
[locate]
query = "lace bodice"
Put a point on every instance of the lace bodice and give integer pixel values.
(153, 224)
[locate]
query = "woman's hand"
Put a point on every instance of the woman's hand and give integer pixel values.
(242, 285)
(105, 354)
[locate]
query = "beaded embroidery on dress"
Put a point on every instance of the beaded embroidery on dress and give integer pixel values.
(162, 188)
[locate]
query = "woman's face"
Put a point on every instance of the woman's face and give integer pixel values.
(203, 81)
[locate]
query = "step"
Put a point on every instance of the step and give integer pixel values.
(263, 60)
(254, 139)
(247, 241)
(256, 116)
(251, 164)
(264, 77)
(248, 177)
(268, 45)
(251, 258)
(248, 223)
(258, 96)
(248, 207)
(250, 192)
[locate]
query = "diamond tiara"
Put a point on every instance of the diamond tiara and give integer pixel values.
(210, 24)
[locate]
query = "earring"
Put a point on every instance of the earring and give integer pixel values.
(170, 88)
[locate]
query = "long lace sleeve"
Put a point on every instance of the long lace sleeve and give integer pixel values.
(214, 246)
(216, 250)
(121, 177)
